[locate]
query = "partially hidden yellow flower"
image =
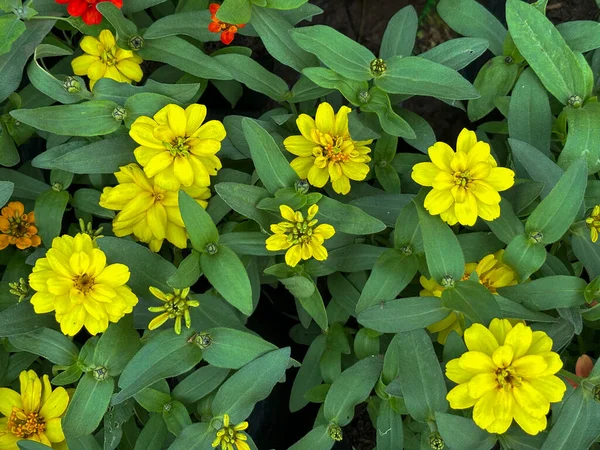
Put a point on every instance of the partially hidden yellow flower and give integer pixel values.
(326, 150)
(176, 305)
(102, 58)
(593, 223)
(177, 148)
(34, 414)
(75, 281)
(508, 373)
(231, 436)
(148, 211)
(492, 273)
(465, 183)
(299, 236)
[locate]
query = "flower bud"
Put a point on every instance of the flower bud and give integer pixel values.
(536, 237)
(436, 442)
(301, 186)
(364, 96)
(136, 42)
(72, 85)
(100, 373)
(575, 101)
(378, 67)
(406, 250)
(448, 282)
(119, 113)
(584, 366)
(167, 406)
(335, 432)
(211, 249)
(203, 340)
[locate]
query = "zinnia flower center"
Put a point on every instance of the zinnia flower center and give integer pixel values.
(178, 146)
(108, 56)
(301, 232)
(462, 179)
(507, 377)
(18, 226)
(227, 435)
(25, 425)
(175, 306)
(83, 283)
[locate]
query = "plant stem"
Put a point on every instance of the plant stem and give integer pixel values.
(49, 18)
(569, 375)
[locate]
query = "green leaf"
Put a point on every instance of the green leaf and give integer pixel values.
(274, 30)
(11, 27)
(408, 229)
(88, 405)
(144, 104)
(188, 272)
(469, 18)
(247, 243)
(271, 166)
(299, 285)
(386, 207)
(182, 55)
(153, 435)
(107, 89)
(400, 33)
(21, 318)
(165, 355)
(529, 115)
(392, 123)
(150, 268)
(539, 166)
(228, 276)
(139, 5)
(199, 225)
(185, 23)
(309, 374)
(285, 4)
(327, 78)
(197, 436)
(9, 156)
(25, 444)
(390, 434)
(390, 275)
(508, 225)
(347, 218)
(244, 199)
(315, 307)
(125, 28)
(472, 299)
(495, 79)
(153, 400)
(524, 256)
(199, 384)
(232, 349)
(587, 252)
(6, 190)
(235, 11)
(352, 387)
(337, 51)
(49, 344)
(117, 345)
(316, 439)
(413, 75)
(461, 433)
(425, 136)
(388, 178)
(305, 89)
(555, 213)
(249, 385)
(558, 291)
(403, 314)
(350, 258)
(177, 418)
(515, 310)
(583, 139)
(254, 76)
(457, 53)
(580, 35)
(49, 209)
(421, 376)
(545, 50)
(442, 250)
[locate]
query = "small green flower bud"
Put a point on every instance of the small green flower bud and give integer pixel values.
(301, 186)
(435, 441)
(509, 60)
(575, 101)
(72, 85)
(596, 393)
(211, 249)
(364, 96)
(335, 432)
(378, 67)
(100, 373)
(203, 340)
(136, 42)
(406, 250)
(167, 406)
(448, 282)
(119, 113)
(382, 163)
(19, 288)
(57, 187)
(536, 237)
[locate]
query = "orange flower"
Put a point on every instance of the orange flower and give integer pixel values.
(227, 30)
(18, 228)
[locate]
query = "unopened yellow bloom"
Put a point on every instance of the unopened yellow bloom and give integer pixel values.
(148, 211)
(326, 150)
(74, 280)
(492, 273)
(465, 183)
(593, 222)
(103, 59)
(34, 414)
(302, 237)
(176, 306)
(177, 148)
(231, 436)
(508, 373)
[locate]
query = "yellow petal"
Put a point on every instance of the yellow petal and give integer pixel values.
(195, 115)
(466, 212)
(479, 153)
(318, 177)
(107, 39)
(81, 64)
(341, 121)
(277, 242)
(158, 321)
(325, 118)
(484, 192)
(176, 119)
(441, 155)
(482, 383)
(142, 132)
(130, 69)
(483, 412)
(476, 362)
(459, 397)
(89, 45)
(553, 361)
(438, 201)
(341, 185)
(443, 180)
(529, 424)
(355, 171)
(56, 404)
(157, 219)
(550, 387)
(72, 322)
(466, 140)
(488, 212)
(201, 174)
(531, 400)
(96, 70)
(503, 356)
(8, 399)
(299, 145)
(43, 302)
(183, 170)
(114, 275)
(424, 173)
(212, 129)
(478, 338)
(503, 412)
(302, 165)
(113, 73)
(287, 213)
(293, 255)
(158, 163)
(500, 328)
(176, 235)
(53, 430)
(457, 374)
(530, 366)
(306, 124)
(318, 251)
(520, 338)
(540, 343)
(325, 230)
(500, 178)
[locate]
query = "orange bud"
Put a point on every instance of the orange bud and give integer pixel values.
(584, 366)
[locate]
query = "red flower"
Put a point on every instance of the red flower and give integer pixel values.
(87, 9)
(227, 30)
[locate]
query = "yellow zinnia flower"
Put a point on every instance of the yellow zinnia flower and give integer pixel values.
(465, 183)
(148, 211)
(176, 306)
(508, 373)
(593, 223)
(103, 59)
(326, 150)
(492, 273)
(176, 147)
(303, 239)
(229, 436)
(74, 280)
(34, 414)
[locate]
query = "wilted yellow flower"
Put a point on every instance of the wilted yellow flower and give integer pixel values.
(508, 373)
(177, 148)
(303, 239)
(465, 183)
(148, 211)
(231, 435)
(176, 306)
(492, 273)
(593, 222)
(74, 280)
(326, 150)
(34, 414)
(103, 59)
